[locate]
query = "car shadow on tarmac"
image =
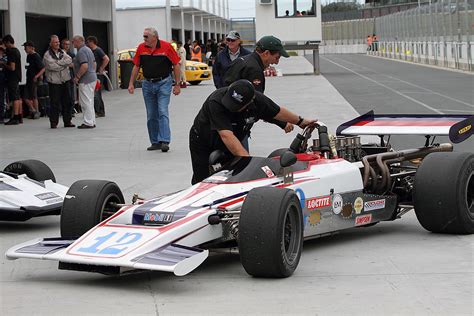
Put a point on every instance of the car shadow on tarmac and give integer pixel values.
(224, 263)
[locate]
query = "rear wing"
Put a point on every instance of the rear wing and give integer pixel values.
(457, 126)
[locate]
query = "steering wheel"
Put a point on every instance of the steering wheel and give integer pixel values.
(300, 143)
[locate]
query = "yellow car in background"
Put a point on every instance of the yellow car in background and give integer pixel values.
(195, 71)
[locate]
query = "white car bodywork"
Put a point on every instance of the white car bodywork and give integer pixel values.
(22, 198)
(122, 241)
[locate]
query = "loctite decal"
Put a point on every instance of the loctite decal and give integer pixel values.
(363, 220)
(374, 205)
(315, 203)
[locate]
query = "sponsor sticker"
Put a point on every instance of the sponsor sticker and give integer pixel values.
(268, 171)
(358, 205)
(155, 218)
(347, 210)
(363, 220)
(47, 196)
(374, 205)
(315, 203)
(216, 178)
(314, 218)
(56, 200)
(464, 129)
(337, 203)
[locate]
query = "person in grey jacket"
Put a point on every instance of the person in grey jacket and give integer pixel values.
(56, 62)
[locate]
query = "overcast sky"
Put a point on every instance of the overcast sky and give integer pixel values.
(237, 8)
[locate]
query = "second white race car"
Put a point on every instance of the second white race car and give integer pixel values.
(28, 189)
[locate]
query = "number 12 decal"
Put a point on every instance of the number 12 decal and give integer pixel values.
(114, 249)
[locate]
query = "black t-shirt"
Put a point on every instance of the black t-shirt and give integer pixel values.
(214, 117)
(34, 63)
(248, 67)
(13, 56)
(98, 55)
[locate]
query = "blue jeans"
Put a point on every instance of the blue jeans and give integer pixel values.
(157, 98)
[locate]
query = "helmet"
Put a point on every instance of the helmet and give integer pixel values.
(238, 95)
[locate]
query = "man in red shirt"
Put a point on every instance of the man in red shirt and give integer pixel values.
(157, 59)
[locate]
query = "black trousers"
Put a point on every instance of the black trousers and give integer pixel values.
(60, 103)
(99, 105)
(199, 157)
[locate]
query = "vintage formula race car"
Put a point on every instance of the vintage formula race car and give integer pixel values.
(267, 207)
(28, 189)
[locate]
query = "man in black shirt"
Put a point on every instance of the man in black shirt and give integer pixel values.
(34, 71)
(252, 66)
(226, 118)
(13, 68)
(101, 60)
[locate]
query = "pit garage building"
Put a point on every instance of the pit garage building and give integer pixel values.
(179, 20)
(36, 20)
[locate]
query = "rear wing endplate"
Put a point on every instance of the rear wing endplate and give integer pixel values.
(457, 126)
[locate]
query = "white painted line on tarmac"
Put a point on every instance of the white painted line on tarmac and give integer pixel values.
(413, 85)
(451, 110)
(386, 87)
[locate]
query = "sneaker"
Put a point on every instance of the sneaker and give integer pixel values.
(53, 125)
(13, 121)
(69, 125)
(154, 147)
(165, 147)
(36, 115)
(84, 126)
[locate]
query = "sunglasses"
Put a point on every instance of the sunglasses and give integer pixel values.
(230, 40)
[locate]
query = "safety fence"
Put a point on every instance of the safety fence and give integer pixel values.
(439, 33)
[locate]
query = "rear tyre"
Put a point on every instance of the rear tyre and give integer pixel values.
(87, 203)
(195, 83)
(34, 169)
(444, 193)
(270, 232)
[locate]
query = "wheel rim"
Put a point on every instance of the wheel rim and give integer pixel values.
(291, 235)
(108, 207)
(470, 194)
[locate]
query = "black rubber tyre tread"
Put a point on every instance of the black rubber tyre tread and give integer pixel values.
(82, 206)
(441, 188)
(34, 169)
(195, 82)
(261, 232)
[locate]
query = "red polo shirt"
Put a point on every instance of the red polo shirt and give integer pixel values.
(158, 62)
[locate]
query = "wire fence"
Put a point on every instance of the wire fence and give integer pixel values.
(439, 33)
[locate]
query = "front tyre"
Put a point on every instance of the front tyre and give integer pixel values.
(444, 193)
(270, 232)
(87, 203)
(34, 169)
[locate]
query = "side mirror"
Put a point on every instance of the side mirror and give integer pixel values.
(287, 159)
(216, 156)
